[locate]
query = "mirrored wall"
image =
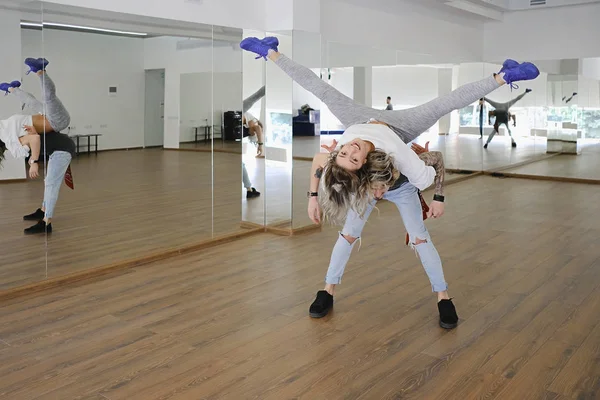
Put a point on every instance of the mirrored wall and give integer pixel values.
(23, 257)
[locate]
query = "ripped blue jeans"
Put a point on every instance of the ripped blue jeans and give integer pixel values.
(406, 198)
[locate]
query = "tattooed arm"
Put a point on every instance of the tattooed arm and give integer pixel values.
(436, 160)
(316, 171)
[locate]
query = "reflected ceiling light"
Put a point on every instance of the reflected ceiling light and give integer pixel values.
(83, 28)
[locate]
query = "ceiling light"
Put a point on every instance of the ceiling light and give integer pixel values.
(83, 28)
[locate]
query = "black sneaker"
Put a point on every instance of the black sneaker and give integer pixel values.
(38, 215)
(322, 304)
(485, 146)
(40, 227)
(250, 194)
(448, 317)
(514, 144)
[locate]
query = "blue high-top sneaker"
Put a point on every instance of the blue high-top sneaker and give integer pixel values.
(36, 64)
(508, 64)
(5, 86)
(260, 47)
(522, 72)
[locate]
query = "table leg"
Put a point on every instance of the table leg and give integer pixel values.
(89, 140)
(78, 146)
(96, 151)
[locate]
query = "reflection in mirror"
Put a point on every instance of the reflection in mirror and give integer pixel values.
(22, 164)
(126, 86)
(227, 119)
(278, 139)
(253, 128)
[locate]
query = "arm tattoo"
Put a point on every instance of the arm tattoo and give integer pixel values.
(319, 173)
(436, 160)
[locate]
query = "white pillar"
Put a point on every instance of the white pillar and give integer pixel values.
(363, 85)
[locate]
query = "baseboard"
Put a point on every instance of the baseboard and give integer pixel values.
(20, 180)
(51, 283)
(544, 178)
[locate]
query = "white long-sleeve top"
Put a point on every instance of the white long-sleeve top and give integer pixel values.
(405, 159)
(11, 130)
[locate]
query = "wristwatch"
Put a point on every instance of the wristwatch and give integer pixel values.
(437, 197)
(32, 161)
(312, 194)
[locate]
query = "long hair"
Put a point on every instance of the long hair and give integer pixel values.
(2, 151)
(353, 190)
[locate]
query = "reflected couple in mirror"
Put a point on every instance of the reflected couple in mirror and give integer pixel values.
(372, 161)
(20, 135)
(502, 116)
(253, 132)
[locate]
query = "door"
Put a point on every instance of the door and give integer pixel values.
(154, 116)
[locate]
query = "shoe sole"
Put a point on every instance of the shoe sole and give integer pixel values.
(319, 315)
(448, 326)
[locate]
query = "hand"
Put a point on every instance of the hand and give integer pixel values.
(30, 130)
(260, 151)
(420, 149)
(34, 170)
(314, 211)
(436, 209)
(331, 147)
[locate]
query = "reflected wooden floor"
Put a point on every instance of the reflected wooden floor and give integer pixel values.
(583, 166)
(460, 151)
(125, 204)
(231, 322)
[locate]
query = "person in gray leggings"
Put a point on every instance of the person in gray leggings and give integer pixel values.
(502, 113)
(250, 122)
(49, 115)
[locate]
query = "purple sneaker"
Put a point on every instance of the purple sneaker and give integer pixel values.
(508, 64)
(522, 72)
(260, 47)
(36, 64)
(5, 86)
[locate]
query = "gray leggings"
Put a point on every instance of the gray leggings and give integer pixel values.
(408, 124)
(505, 106)
(252, 99)
(50, 106)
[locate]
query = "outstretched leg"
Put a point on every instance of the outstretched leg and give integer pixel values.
(414, 121)
(344, 108)
(29, 103)
(252, 99)
(55, 111)
(496, 128)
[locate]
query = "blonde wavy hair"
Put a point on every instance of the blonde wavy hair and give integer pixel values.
(345, 190)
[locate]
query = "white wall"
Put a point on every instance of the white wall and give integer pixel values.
(545, 34)
(196, 101)
(83, 66)
(162, 53)
(408, 26)
(11, 68)
(233, 13)
(407, 85)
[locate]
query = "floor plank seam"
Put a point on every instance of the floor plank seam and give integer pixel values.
(6, 343)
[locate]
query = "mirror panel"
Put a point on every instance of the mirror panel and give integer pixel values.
(228, 130)
(278, 134)
(306, 124)
(253, 121)
(23, 260)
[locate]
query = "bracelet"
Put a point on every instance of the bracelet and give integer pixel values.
(438, 197)
(260, 144)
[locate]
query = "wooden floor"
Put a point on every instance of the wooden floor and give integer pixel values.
(521, 258)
